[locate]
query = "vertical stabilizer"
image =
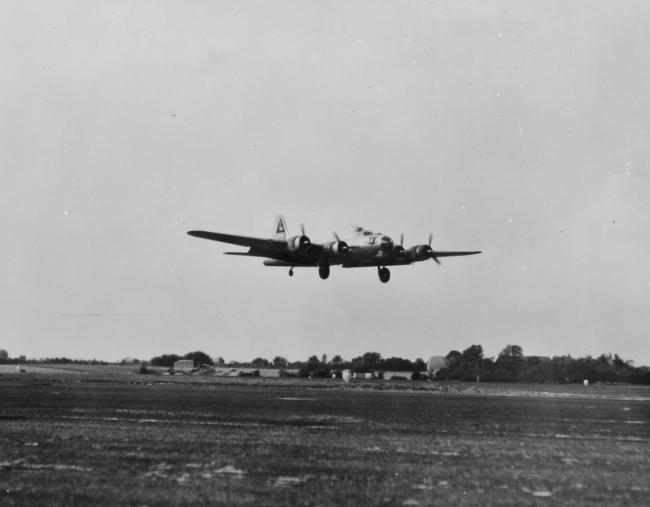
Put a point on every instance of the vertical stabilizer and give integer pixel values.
(280, 229)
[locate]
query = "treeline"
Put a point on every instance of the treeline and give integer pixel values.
(369, 362)
(50, 360)
(512, 366)
(469, 365)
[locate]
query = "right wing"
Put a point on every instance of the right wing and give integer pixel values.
(397, 261)
(436, 253)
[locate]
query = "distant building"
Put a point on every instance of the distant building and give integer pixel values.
(184, 365)
(398, 375)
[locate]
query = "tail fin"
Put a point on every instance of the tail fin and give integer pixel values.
(280, 229)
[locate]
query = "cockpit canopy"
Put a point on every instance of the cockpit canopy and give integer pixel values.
(360, 231)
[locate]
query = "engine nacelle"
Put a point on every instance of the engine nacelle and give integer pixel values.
(420, 252)
(339, 248)
(399, 252)
(298, 243)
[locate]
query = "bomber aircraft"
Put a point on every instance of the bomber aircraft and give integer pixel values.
(364, 249)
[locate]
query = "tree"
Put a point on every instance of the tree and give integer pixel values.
(336, 360)
(280, 362)
(473, 353)
(219, 361)
(313, 363)
(471, 362)
(397, 364)
(313, 368)
(166, 360)
(536, 369)
(309, 367)
(259, 362)
(372, 360)
(199, 358)
(513, 352)
(323, 359)
(509, 363)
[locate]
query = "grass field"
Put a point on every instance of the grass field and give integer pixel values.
(113, 437)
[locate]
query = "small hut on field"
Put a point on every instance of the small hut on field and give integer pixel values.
(184, 365)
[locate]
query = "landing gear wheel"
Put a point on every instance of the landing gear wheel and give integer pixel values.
(290, 271)
(324, 271)
(384, 274)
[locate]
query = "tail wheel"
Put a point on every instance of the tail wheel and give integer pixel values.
(291, 271)
(384, 274)
(324, 271)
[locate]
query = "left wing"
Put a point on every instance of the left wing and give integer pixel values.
(258, 243)
(263, 247)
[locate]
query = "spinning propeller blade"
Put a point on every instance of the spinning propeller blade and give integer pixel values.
(433, 254)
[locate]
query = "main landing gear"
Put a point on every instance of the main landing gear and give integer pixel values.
(384, 274)
(324, 271)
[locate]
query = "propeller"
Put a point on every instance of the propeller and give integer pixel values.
(433, 254)
(342, 246)
(305, 243)
(399, 250)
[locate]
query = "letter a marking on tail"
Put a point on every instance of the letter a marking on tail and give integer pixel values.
(280, 228)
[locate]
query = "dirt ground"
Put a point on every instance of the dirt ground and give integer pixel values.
(114, 439)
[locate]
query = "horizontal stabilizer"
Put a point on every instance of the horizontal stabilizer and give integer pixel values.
(274, 262)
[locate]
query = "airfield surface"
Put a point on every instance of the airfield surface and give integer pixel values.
(146, 440)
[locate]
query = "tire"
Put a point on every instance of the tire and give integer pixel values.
(384, 275)
(324, 271)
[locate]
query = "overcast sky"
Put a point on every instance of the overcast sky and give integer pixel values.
(517, 128)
